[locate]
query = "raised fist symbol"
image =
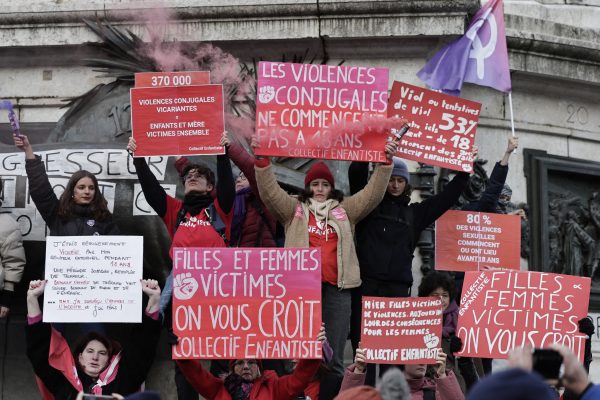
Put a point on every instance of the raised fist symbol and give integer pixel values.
(431, 340)
(266, 94)
(184, 286)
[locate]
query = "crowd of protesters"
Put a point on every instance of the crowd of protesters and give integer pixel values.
(367, 241)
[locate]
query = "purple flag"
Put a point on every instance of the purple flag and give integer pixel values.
(479, 56)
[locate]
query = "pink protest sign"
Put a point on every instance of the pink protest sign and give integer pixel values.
(319, 111)
(246, 303)
(417, 320)
(473, 241)
(442, 127)
(500, 310)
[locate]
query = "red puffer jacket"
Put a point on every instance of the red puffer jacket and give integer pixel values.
(267, 387)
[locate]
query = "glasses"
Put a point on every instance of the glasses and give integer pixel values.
(249, 363)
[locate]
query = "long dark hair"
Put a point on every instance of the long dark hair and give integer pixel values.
(112, 347)
(307, 193)
(98, 205)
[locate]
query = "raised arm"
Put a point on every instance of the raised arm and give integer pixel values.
(358, 176)
(359, 205)
(153, 191)
(291, 385)
(225, 181)
(37, 336)
(39, 186)
(281, 204)
(203, 382)
(244, 161)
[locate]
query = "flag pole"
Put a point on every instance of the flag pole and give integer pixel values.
(512, 121)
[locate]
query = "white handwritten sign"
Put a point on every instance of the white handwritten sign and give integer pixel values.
(93, 279)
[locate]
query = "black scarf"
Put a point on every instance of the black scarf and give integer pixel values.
(81, 211)
(237, 388)
(195, 202)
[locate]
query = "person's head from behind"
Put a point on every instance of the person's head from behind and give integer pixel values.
(438, 284)
(83, 190)
(92, 353)
(248, 369)
(197, 178)
(319, 184)
(398, 184)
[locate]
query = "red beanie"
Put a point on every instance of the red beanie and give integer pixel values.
(319, 170)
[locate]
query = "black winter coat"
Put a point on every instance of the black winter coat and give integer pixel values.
(80, 224)
(488, 202)
(386, 239)
(137, 357)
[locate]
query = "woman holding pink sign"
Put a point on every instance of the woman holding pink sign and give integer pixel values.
(322, 217)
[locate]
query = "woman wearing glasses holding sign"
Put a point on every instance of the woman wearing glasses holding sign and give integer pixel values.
(322, 217)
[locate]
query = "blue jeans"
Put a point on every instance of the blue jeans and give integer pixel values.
(335, 306)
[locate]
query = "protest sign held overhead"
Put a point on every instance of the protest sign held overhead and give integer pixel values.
(165, 79)
(501, 310)
(321, 111)
(246, 303)
(178, 120)
(417, 320)
(93, 279)
(472, 241)
(442, 127)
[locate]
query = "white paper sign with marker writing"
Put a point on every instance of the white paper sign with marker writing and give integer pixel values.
(93, 279)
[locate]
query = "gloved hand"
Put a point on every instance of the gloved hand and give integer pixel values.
(455, 344)
(586, 326)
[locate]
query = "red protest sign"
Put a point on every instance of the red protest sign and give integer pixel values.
(417, 320)
(442, 128)
(177, 120)
(472, 241)
(501, 310)
(164, 79)
(315, 111)
(246, 303)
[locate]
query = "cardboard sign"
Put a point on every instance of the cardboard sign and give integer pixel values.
(177, 120)
(314, 111)
(501, 310)
(417, 320)
(473, 241)
(165, 79)
(246, 303)
(93, 279)
(442, 129)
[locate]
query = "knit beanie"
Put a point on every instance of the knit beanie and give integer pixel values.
(400, 169)
(319, 170)
(513, 384)
(506, 191)
(393, 385)
(359, 393)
